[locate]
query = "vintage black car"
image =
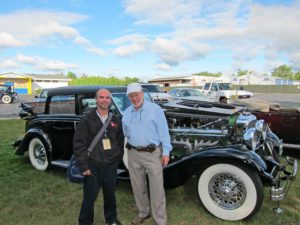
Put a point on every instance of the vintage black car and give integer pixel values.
(233, 154)
(6, 94)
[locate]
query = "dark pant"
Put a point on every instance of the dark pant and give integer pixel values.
(105, 177)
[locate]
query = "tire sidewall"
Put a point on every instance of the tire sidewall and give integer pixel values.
(6, 99)
(251, 203)
(37, 141)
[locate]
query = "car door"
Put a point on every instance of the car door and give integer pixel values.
(60, 121)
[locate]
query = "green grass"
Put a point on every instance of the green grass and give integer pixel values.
(31, 197)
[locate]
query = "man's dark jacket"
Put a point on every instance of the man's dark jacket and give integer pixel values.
(85, 133)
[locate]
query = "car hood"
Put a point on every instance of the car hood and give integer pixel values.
(195, 98)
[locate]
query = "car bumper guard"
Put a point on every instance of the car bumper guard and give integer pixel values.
(279, 191)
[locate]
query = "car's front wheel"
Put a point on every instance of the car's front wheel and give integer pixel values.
(37, 154)
(230, 191)
(6, 99)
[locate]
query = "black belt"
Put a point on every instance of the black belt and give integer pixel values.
(150, 148)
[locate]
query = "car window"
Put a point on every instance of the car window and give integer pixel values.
(172, 92)
(152, 88)
(185, 93)
(62, 104)
(214, 87)
(122, 101)
(195, 92)
(44, 94)
(206, 86)
(178, 93)
(224, 86)
(88, 103)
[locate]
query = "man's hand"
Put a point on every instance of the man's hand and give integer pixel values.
(87, 173)
(165, 160)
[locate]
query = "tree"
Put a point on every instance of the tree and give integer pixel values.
(283, 71)
(71, 75)
(207, 74)
(297, 76)
(242, 72)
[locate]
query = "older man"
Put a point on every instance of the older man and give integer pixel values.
(146, 129)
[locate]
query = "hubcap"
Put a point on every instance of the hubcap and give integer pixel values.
(227, 191)
(40, 154)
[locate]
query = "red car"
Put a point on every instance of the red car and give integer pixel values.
(284, 122)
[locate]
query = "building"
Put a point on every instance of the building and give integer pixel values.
(260, 79)
(28, 83)
(248, 79)
(191, 80)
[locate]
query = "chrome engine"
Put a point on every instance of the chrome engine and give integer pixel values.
(198, 132)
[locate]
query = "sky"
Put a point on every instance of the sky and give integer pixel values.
(148, 38)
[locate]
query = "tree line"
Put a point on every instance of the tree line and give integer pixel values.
(283, 71)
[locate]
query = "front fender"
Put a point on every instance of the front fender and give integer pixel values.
(179, 171)
(31, 133)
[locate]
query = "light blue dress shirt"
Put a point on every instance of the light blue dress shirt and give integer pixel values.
(147, 125)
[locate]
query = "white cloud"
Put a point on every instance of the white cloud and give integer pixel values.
(130, 45)
(9, 64)
(37, 63)
(40, 26)
(97, 51)
(54, 65)
(129, 50)
(37, 24)
(161, 12)
(163, 67)
(30, 60)
(88, 46)
(242, 28)
(295, 60)
(8, 40)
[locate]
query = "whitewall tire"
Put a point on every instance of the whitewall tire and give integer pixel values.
(37, 154)
(230, 192)
(6, 99)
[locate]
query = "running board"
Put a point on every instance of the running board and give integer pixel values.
(61, 163)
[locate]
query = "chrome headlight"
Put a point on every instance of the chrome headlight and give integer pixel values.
(262, 128)
(251, 138)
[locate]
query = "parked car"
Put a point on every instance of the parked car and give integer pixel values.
(43, 95)
(157, 94)
(187, 94)
(232, 153)
(6, 94)
(222, 92)
(284, 122)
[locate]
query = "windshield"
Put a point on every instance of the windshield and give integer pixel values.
(122, 101)
(224, 86)
(152, 88)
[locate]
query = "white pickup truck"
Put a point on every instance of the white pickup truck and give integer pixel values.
(221, 92)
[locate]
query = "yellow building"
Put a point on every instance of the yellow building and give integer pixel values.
(22, 84)
(28, 83)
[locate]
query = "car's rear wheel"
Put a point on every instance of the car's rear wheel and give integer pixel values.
(38, 154)
(230, 192)
(6, 99)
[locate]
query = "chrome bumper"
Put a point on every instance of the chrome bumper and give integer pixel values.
(280, 190)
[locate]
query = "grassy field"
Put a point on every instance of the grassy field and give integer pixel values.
(30, 197)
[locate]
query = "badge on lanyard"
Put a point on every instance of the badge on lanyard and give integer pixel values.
(106, 144)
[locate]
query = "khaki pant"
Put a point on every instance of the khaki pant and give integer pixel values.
(140, 164)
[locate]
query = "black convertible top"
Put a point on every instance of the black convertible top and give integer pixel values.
(68, 90)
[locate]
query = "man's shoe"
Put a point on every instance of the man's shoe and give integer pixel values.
(139, 220)
(115, 223)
